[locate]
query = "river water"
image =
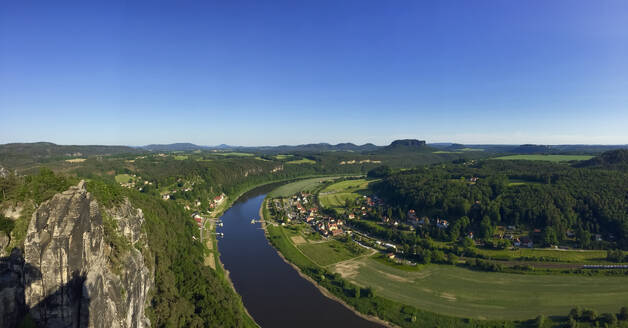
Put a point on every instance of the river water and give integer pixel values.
(272, 291)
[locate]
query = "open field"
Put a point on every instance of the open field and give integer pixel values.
(329, 252)
(302, 161)
(460, 292)
(76, 160)
(301, 185)
(335, 195)
(551, 158)
(281, 156)
(572, 256)
(519, 182)
(123, 178)
(180, 157)
(233, 154)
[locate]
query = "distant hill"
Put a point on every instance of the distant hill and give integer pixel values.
(182, 146)
(612, 159)
(407, 145)
(315, 147)
(18, 154)
(530, 149)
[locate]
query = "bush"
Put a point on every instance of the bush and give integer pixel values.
(615, 256)
(589, 315)
(608, 318)
(575, 313)
(540, 321)
(623, 313)
(6, 225)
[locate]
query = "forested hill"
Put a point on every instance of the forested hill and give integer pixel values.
(613, 159)
(553, 198)
(20, 154)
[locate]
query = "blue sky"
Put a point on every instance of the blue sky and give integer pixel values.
(292, 72)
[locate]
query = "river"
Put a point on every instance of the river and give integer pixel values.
(272, 291)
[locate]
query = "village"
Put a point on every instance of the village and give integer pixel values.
(301, 207)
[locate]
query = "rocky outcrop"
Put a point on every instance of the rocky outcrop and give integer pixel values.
(71, 281)
(3, 172)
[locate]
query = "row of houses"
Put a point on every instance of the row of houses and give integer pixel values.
(415, 221)
(298, 207)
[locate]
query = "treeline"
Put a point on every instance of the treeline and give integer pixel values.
(556, 199)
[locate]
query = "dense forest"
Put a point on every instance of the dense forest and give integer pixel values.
(552, 201)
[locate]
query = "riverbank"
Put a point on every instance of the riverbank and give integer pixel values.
(320, 288)
(219, 212)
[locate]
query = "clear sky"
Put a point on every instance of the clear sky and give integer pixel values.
(291, 72)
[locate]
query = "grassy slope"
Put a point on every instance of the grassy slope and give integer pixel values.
(486, 295)
(335, 195)
(302, 161)
(327, 253)
(294, 187)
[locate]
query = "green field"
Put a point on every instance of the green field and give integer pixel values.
(282, 157)
(460, 292)
(234, 154)
(302, 161)
(297, 186)
(180, 157)
(571, 256)
(329, 252)
(550, 158)
(336, 195)
(123, 178)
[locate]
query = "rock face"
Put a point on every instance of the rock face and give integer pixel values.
(407, 143)
(3, 172)
(68, 277)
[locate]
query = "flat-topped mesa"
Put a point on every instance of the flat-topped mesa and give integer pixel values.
(71, 281)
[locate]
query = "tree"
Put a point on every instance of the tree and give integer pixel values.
(589, 315)
(623, 313)
(486, 227)
(379, 172)
(549, 237)
(609, 318)
(575, 313)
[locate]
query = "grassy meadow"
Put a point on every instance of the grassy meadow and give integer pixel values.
(460, 292)
(335, 195)
(302, 161)
(123, 178)
(290, 189)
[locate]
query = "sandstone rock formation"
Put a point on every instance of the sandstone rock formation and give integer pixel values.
(66, 275)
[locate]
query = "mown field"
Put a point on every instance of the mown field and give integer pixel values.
(461, 292)
(335, 195)
(123, 178)
(329, 252)
(550, 158)
(234, 154)
(297, 186)
(321, 252)
(302, 161)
